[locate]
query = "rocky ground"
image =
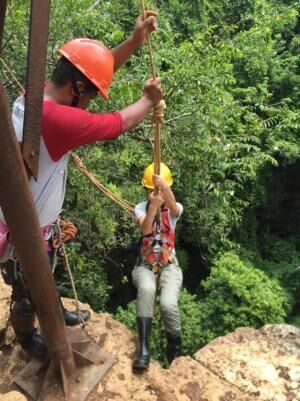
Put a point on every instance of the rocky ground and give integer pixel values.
(247, 365)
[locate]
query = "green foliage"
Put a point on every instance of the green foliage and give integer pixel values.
(230, 12)
(237, 294)
(183, 258)
(282, 261)
(89, 279)
(295, 321)
(191, 316)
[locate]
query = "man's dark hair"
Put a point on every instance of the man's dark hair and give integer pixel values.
(65, 72)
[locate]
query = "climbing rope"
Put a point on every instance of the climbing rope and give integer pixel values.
(148, 42)
(157, 119)
(12, 74)
(158, 110)
(64, 231)
(127, 206)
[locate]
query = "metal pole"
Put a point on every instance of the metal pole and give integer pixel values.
(3, 5)
(20, 214)
(37, 52)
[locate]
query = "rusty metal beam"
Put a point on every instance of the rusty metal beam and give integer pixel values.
(20, 214)
(38, 40)
(3, 6)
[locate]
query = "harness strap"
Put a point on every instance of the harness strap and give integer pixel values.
(162, 236)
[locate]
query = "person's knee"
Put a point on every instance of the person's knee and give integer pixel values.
(170, 317)
(147, 290)
(168, 307)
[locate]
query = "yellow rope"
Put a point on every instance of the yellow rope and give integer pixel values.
(158, 110)
(127, 206)
(157, 118)
(12, 74)
(148, 42)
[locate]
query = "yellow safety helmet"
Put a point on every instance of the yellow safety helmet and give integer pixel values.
(148, 175)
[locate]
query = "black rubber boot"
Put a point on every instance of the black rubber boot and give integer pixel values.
(142, 360)
(71, 318)
(22, 318)
(174, 347)
(34, 345)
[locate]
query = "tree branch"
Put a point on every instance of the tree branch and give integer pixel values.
(143, 139)
(171, 119)
(97, 2)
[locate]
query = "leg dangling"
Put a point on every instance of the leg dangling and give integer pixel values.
(174, 346)
(142, 360)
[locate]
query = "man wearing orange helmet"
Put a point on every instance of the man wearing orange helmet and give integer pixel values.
(85, 69)
(157, 265)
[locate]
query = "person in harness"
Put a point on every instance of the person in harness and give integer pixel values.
(85, 69)
(157, 265)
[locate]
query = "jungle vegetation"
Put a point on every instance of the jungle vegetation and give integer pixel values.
(230, 74)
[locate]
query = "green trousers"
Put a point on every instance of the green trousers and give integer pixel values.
(169, 284)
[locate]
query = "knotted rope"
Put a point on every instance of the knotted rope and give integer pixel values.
(67, 231)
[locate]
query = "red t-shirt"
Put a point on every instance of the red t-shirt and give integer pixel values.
(65, 128)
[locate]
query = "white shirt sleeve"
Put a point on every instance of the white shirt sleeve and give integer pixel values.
(174, 219)
(140, 209)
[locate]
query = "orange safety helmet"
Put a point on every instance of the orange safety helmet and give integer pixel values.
(148, 175)
(93, 59)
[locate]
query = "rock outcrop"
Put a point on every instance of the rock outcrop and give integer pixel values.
(247, 365)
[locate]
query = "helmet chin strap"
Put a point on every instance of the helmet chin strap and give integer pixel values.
(78, 94)
(75, 101)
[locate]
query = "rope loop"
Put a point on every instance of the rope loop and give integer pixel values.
(67, 231)
(158, 112)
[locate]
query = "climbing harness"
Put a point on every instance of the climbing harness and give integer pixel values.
(162, 237)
